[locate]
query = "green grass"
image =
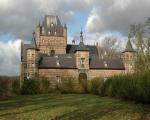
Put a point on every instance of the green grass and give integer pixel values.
(71, 107)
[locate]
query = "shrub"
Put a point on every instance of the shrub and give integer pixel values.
(16, 86)
(44, 85)
(35, 86)
(129, 86)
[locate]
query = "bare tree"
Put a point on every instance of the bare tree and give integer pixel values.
(140, 35)
(108, 48)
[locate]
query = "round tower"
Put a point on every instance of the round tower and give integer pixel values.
(129, 57)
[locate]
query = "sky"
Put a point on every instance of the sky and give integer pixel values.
(97, 18)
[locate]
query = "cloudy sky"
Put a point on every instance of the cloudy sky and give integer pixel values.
(97, 18)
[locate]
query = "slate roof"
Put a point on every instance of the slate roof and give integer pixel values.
(57, 61)
(69, 62)
(48, 27)
(129, 47)
(113, 64)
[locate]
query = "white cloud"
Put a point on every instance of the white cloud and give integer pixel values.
(10, 57)
(5, 4)
(94, 38)
(94, 22)
(117, 15)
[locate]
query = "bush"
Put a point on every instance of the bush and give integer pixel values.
(129, 86)
(35, 86)
(16, 86)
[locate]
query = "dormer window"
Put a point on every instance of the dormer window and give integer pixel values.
(105, 64)
(57, 63)
(52, 24)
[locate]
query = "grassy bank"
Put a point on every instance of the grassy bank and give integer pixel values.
(71, 107)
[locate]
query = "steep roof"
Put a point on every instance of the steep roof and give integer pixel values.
(129, 47)
(69, 62)
(57, 61)
(52, 19)
(113, 64)
(52, 26)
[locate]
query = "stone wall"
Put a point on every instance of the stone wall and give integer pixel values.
(48, 43)
(104, 73)
(53, 73)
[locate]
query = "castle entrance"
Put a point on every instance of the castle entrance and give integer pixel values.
(83, 80)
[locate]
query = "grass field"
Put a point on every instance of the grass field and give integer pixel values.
(71, 107)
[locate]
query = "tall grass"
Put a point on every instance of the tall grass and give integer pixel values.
(95, 86)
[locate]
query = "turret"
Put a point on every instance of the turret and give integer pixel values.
(32, 62)
(129, 57)
(82, 55)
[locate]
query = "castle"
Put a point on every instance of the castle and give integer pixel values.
(50, 56)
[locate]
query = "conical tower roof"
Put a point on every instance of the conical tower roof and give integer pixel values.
(33, 42)
(129, 47)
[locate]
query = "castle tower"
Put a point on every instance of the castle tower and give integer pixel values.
(82, 55)
(51, 35)
(32, 62)
(129, 57)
